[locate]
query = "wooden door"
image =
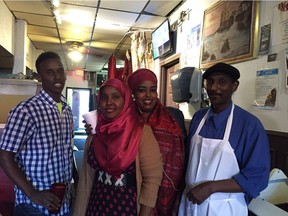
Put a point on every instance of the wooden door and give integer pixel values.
(169, 96)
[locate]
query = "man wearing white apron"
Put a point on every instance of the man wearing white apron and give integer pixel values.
(229, 161)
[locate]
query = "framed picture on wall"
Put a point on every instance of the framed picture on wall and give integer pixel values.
(230, 32)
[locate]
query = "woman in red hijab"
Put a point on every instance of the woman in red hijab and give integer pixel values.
(168, 133)
(122, 174)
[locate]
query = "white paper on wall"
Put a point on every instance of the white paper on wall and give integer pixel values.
(266, 88)
(189, 38)
(280, 24)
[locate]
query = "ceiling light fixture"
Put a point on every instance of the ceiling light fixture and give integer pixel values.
(75, 55)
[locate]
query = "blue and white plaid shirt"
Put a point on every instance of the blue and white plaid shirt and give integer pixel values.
(41, 139)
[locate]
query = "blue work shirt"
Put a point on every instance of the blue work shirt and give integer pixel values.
(249, 140)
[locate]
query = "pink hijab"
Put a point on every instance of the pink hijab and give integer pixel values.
(116, 141)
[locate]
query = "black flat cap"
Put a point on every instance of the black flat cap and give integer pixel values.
(223, 68)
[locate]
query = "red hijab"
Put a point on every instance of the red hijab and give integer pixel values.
(160, 118)
(171, 142)
(116, 141)
(139, 76)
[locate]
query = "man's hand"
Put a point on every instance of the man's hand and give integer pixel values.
(200, 193)
(46, 199)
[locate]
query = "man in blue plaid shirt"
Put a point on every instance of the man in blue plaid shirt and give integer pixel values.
(35, 148)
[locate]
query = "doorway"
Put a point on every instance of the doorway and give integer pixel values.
(80, 101)
(168, 67)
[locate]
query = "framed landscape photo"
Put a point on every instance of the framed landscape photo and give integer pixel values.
(230, 32)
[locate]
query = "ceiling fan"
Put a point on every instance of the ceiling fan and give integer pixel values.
(81, 54)
(74, 52)
(83, 48)
(87, 50)
(74, 44)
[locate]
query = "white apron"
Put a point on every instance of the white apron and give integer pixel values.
(212, 159)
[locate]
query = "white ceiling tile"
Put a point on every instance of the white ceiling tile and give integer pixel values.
(115, 19)
(39, 30)
(105, 37)
(88, 3)
(32, 7)
(162, 7)
(124, 5)
(33, 19)
(76, 15)
(47, 39)
(76, 36)
(148, 22)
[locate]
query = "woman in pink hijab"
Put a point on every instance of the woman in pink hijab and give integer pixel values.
(120, 174)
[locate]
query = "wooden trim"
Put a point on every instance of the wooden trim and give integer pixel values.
(164, 65)
(169, 61)
(278, 150)
(277, 133)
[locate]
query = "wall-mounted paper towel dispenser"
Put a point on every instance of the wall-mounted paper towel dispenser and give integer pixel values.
(186, 85)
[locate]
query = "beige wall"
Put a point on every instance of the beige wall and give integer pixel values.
(13, 92)
(7, 28)
(276, 119)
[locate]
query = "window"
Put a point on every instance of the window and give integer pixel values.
(81, 101)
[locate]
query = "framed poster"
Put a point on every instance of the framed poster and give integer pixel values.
(230, 32)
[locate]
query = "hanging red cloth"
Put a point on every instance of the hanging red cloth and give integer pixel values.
(127, 67)
(111, 67)
(119, 73)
